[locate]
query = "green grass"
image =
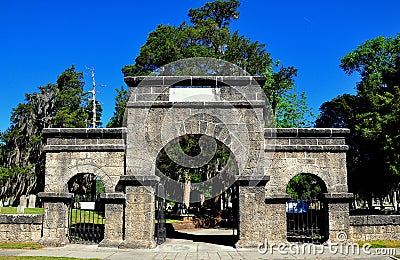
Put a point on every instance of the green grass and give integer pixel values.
(381, 243)
(42, 258)
(87, 215)
(13, 210)
(173, 220)
(19, 245)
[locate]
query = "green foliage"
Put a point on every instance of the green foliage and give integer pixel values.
(305, 186)
(89, 112)
(373, 116)
(189, 144)
(210, 35)
(120, 104)
(68, 98)
(63, 104)
(222, 12)
(292, 110)
(288, 106)
(15, 181)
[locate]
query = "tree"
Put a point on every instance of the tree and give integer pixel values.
(292, 110)
(68, 97)
(120, 105)
(88, 105)
(222, 12)
(373, 115)
(209, 35)
(190, 145)
(54, 105)
(305, 186)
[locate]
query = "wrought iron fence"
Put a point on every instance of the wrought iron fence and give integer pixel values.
(161, 232)
(306, 221)
(86, 220)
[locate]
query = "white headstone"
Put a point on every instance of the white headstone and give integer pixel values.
(1, 203)
(32, 201)
(22, 205)
(23, 202)
(20, 209)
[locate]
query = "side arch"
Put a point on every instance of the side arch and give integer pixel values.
(109, 183)
(281, 176)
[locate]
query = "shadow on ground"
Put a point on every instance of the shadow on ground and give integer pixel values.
(212, 237)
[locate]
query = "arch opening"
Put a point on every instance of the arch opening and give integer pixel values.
(306, 211)
(86, 218)
(197, 175)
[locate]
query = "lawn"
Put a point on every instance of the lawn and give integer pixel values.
(41, 258)
(13, 210)
(19, 245)
(381, 243)
(86, 216)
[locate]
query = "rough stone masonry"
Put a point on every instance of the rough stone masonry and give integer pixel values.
(125, 159)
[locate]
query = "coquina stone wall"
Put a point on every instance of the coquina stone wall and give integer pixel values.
(236, 119)
(20, 228)
(125, 159)
(73, 151)
(319, 152)
(374, 227)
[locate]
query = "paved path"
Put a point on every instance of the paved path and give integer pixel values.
(197, 248)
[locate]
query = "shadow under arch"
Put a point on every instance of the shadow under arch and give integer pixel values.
(307, 213)
(86, 184)
(89, 168)
(206, 168)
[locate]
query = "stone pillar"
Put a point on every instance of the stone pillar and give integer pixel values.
(252, 211)
(114, 224)
(275, 218)
(338, 215)
(139, 211)
(55, 219)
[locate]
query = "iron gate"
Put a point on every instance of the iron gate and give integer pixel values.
(86, 220)
(306, 221)
(161, 232)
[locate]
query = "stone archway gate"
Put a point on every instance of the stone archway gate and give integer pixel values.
(124, 158)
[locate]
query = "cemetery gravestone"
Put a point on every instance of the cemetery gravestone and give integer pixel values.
(32, 201)
(22, 205)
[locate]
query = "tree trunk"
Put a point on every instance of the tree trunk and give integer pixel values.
(186, 193)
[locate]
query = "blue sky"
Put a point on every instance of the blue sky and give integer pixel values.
(39, 39)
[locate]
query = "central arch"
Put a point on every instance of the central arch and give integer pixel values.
(198, 176)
